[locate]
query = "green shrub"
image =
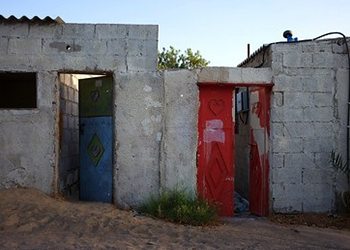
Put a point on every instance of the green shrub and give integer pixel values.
(180, 207)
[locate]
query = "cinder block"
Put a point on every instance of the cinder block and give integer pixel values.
(64, 91)
(68, 108)
(339, 48)
(220, 74)
(296, 59)
(315, 48)
(76, 96)
(24, 46)
(63, 105)
(4, 42)
(65, 122)
(142, 31)
(278, 98)
(298, 129)
(82, 31)
(287, 175)
(277, 129)
(321, 160)
(320, 83)
(323, 60)
(299, 160)
(287, 145)
(323, 99)
(340, 61)
(319, 191)
(288, 83)
(323, 129)
(287, 197)
(110, 31)
(256, 75)
(319, 114)
(295, 100)
(286, 47)
(316, 176)
(117, 47)
(117, 63)
(71, 123)
(71, 94)
(45, 31)
(75, 110)
(316, 205)
(14, 30)
(74, 47)
(277, 161)
(142, 64)
(142, 47)
(318, 144)
(286, 205)
(283, 114)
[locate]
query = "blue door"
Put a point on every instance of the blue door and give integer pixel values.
(96, 137)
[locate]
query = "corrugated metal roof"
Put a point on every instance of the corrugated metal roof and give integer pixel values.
(252, 56)
(35, 20)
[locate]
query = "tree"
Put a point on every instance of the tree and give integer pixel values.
(172, 59)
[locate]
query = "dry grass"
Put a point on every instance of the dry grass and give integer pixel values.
(322, 220)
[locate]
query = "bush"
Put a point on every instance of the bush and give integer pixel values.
(180, 207)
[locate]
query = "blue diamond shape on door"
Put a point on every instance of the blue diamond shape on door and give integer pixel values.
(96, 149)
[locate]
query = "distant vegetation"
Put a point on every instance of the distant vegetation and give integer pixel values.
(172, 59)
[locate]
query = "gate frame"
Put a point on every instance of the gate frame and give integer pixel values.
(233, 86)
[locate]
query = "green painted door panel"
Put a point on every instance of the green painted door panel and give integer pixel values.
(95, 95)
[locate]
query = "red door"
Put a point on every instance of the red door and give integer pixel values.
(259, 150)
(215, 177)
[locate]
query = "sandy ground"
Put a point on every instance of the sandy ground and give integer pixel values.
(29, 219)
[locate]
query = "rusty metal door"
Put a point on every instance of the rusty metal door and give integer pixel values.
(259, 150)
(215, 178)
(95, 121)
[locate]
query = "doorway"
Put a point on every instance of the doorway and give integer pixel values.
(233, 147)
(86, 136)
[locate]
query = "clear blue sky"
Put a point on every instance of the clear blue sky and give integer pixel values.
(220, 29)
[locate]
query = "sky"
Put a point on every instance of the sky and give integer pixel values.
(219, 29)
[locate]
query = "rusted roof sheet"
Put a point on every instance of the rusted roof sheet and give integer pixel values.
(35, 20)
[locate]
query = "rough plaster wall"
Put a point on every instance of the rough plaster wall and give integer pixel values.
(179, 165)
(69, 132)
(27, 155)
(138, 133)
(308, 120)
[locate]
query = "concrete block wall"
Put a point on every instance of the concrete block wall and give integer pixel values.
(242, 152)
(138, 106)
(28, 139)
(69, 133)
(179, 146)
(67, 47)
(308, 121)
(31, 137)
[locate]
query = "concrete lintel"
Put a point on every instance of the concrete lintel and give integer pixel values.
(235, 75)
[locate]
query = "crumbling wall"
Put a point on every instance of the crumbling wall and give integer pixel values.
(308, 121)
